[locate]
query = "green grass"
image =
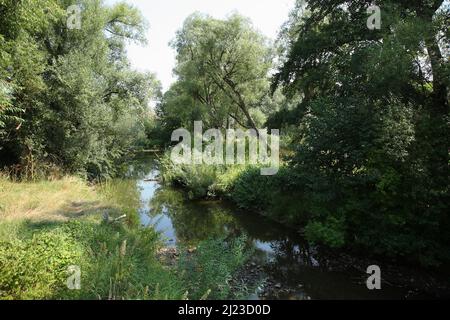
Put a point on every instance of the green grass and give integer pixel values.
(208, 272)
(115, 262)
(48, 226)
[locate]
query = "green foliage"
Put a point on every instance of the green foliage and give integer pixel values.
(277, 197)
(69, 97)
(329, 233)
(7, 110)
(197, 179)
(370, 156)
(36, 267)
(225, 181)
(253, 191)
(116, 262)
(222, 69)
(208, 271)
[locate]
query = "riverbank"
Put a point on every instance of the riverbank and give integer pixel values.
(170, 247)
(48, 228)
(281, 201)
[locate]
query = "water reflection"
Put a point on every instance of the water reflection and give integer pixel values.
(287, 257)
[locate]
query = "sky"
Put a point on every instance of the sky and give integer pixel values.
(165, 17)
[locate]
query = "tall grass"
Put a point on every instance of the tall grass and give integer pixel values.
(115, 263)
(48, 226)
(197, 179)
(208, 272)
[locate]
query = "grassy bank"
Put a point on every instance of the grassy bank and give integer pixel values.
(243, 184)
(48, 226)
(328, 212)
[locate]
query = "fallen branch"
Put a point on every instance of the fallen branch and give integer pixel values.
(152, 180)
(107, 219)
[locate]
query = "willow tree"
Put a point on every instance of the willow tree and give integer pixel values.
(224, 66)
(68, 95)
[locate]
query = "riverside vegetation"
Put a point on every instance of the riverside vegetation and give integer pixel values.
(364, 127)
(71, 111)
(48, 226)
(363, 117)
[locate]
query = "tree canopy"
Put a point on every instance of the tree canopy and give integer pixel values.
(373, 139)
(222, 72)
(69, 96)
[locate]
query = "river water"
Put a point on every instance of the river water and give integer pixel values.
(286, 258)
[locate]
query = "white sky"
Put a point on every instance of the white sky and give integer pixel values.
(167, 16)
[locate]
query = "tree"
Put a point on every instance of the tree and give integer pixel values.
(223, 65)
(372, 144)
(331, 51)
(76, 100)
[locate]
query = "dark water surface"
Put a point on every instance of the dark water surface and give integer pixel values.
(291, 262)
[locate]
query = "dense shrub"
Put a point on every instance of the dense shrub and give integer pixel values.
(36, 267)
(115, 262)
(197, 179)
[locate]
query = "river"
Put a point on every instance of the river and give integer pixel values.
(294, 268)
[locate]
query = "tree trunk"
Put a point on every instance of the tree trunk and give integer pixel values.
(439, 130)
(440, 98)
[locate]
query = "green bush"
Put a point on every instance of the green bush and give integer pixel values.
(330, 232)
(196, 179)
(253, 191)
(36, 267)
(116, 262)
(225, 182)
